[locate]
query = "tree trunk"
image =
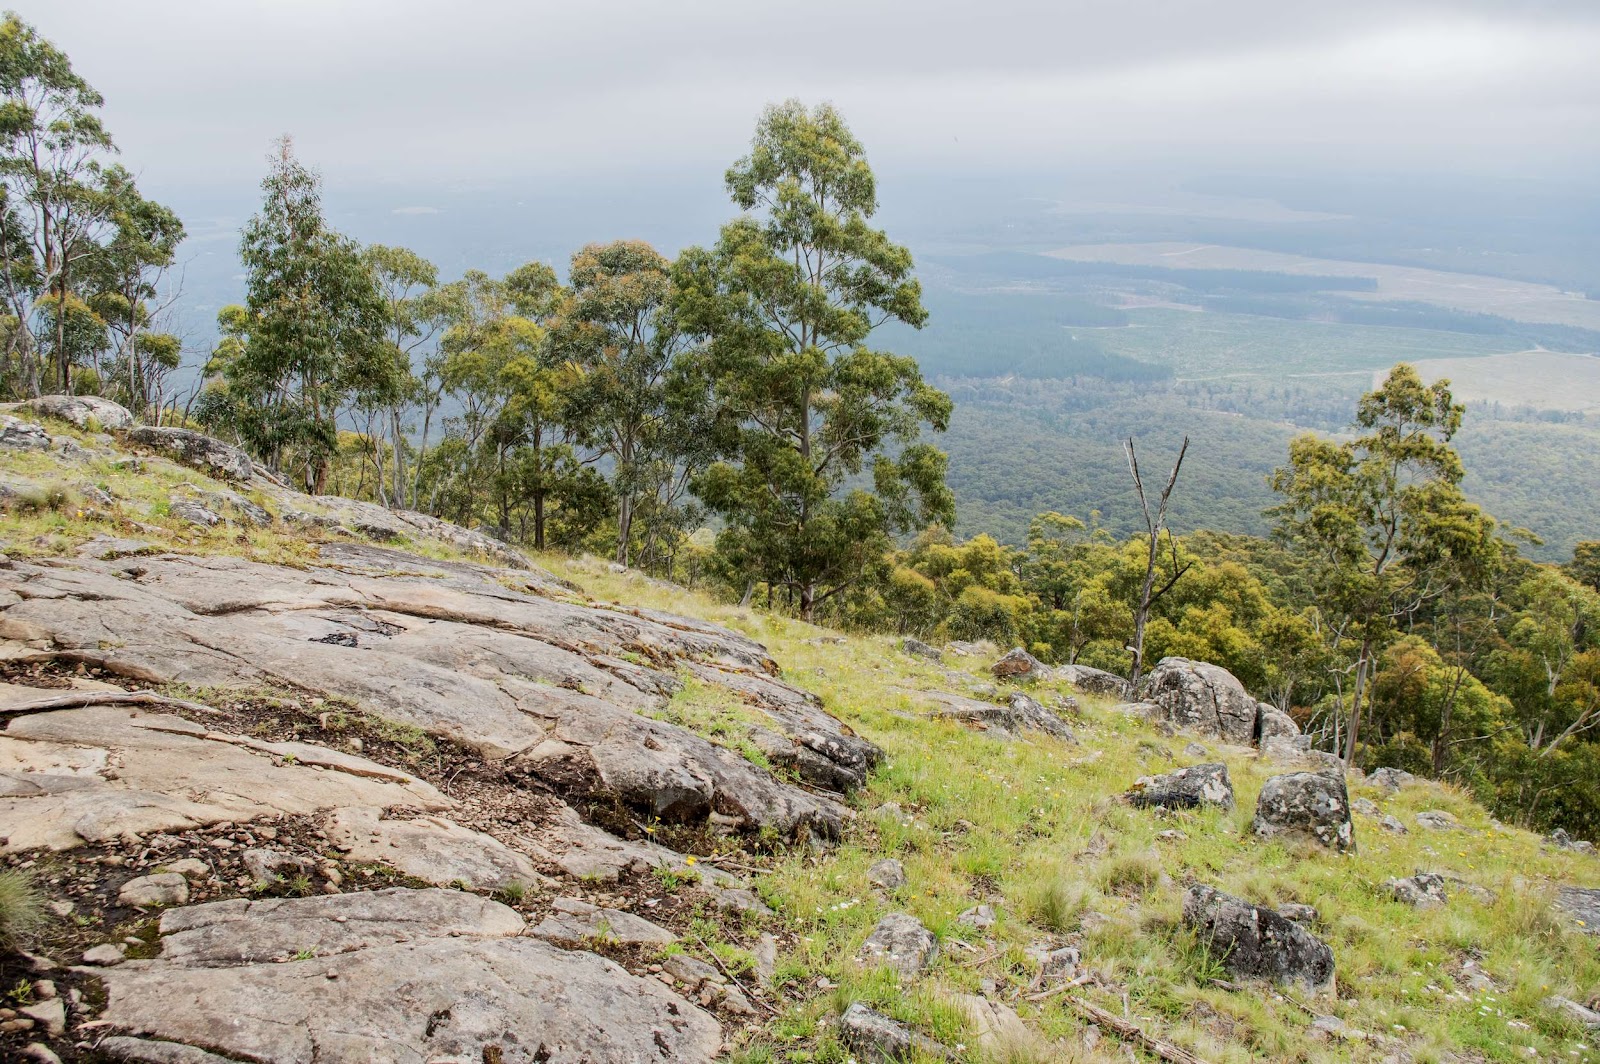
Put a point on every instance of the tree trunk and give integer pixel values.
(1363, 664)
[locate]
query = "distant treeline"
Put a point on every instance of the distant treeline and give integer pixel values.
(1023, 266)
(1407, 315)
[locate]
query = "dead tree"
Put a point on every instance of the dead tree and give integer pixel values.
(1154, 523)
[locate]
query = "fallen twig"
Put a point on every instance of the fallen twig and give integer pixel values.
(78, 699)
(750, 993)
(1086, 977)
(1126, 1029)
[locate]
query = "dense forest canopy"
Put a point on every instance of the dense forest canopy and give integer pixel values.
(752, 416)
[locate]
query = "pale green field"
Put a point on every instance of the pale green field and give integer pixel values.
(1548, 380)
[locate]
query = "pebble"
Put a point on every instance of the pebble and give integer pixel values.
(105, 955)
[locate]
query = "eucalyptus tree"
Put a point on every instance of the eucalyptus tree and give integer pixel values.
(786, 302)
(311, 329)
(1382, 518)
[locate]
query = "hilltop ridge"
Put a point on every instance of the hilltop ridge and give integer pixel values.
(307, 779)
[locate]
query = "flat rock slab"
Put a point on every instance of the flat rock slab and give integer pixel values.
(88, 775)
(432, 849)
(1582, 906)
(407, 994)
(575, 924)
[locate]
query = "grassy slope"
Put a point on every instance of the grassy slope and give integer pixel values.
(1012, 824)
(1034, 828)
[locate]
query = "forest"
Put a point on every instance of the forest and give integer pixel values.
(758, 416)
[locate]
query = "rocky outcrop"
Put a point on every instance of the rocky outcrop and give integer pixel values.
(1311, 805)
(918, 649)
(82, 411)
(1257, 943)
(1390, 780)
(432, 849)
(1210, 700)
(557, 690)
(1195, 787)
(195, 450)
(427, 975)
(1581, 905)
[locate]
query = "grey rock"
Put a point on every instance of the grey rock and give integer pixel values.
(81, 410)
(1095, 681)
(1562, 841)
(446, 976)
(999, 1032)
(193, 511)
(918, 649)
(1313, 805)
(1204, 697)
(1273, 723)
(1390, 779)
(189, 868)
(738, 900)
(163, 888)
(239, 505)
(1392, 825)
(1018, 664)
(51, 1015)
(1588, 1017)
(1432, 890)
(144, 1051)
(902, 943)
(691, 970)
(1582, 906)
(576, 924)
(1060, 963)
(1365, 806)
(1195, 750)
(1257, 943)
(980, 917)
(765, 952)
(1437, 820)
(878, 1038)
(1019, 713)
(1194, 787)
(432, 849)
(40, 1053)
(888, 873)
(104, 955)
(274, 866)
(196, 450)
(22, 435)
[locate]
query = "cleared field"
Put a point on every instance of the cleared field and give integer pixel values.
(1548, 380)
(1199, 346)
(1475, 293)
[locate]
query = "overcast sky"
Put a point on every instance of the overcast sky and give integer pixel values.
(583, 89)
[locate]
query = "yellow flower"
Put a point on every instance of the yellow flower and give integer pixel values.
(691, 859)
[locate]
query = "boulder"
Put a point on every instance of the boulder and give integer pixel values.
(22, 435)
(1095, 681)
(878, 1038)
(195, 450)
(193, 511)
(902, 943)
(1390, 780)
(888, 873)
(1437, 820)
(1582, 1014)
(1188, 788)
(1019, 713)
(82, 411)
(918, 649)
(1018, 664)
(1206, 698)
(1313, 805)
(408, 975)
(1257, 943)
(432, 849)
(1272, 723)
(1562, 841)
(1432, 890)
(998, 1030)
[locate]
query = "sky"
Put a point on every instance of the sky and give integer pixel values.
(631, 90)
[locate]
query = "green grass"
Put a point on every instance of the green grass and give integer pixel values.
(21, 906)
(1035, 829)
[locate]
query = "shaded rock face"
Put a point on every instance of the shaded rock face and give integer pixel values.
(1018, 664)
(408, 976)
(22, 435)
(1312, 805)
(1188, 788)
(1581, 905)
(918, 649)
(1257, 943)
(541, 684)
(1390, 779)
(82, 410)
(1210, 700)
(878, 1038)
(1095, 681)
(196, 450)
